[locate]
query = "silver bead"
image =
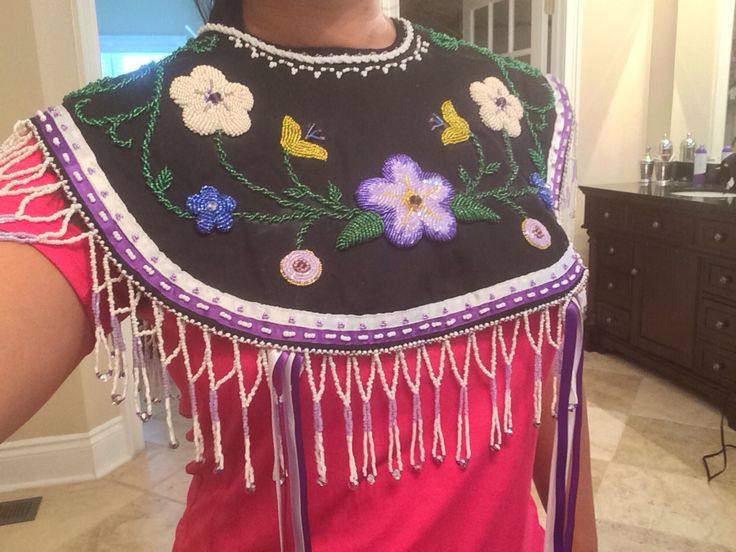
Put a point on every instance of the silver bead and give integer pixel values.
(396, 474)
(250, 489)
(321, 481)
(417, 467)
(117, 399)
(353, 485)
(463, 463)
(173, 445)
(439, 458)
(495, 447)
(371, 479)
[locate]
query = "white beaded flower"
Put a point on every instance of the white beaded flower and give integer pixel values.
(499, 109)
(210, 103)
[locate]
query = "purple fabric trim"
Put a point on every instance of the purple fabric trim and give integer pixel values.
(575, 467)
(562, 139)
(568, 361)
(255, 328)
(296, 369)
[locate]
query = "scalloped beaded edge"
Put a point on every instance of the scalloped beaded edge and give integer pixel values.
(296, 62)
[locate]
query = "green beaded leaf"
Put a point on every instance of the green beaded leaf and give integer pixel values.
(537, 158)
(469, 209)
(334, 193)
(162, 181)
(490, 168)
(365, 227)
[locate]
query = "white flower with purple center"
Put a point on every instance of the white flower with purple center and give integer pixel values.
(536, 233)
(211, 103)
(212, 210)
(411, 202)
(499, 109)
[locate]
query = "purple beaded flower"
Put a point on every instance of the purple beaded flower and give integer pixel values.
(213, 210)
(544, 193)
(411, 202)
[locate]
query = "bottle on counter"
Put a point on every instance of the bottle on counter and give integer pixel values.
(647, 167)
(726, 151)
(687, 149)
(701, 165)
(665, 148)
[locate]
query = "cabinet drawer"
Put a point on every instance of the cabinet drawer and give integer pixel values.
(716, 237)
(615, 252)
(613, 320)
(718, 321)
(604, 213)
(662, 225)
(720, 279)
(613, 287)
(717, 364)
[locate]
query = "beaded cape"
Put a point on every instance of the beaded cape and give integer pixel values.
(323, 202)
(135, 165)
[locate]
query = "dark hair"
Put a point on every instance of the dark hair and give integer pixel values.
(225, 12)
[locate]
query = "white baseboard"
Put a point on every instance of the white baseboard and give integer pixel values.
(62, 459)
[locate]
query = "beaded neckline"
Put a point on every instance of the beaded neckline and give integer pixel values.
(409, 47)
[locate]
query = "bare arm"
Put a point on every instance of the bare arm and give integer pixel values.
(44, 333)
(585, 538)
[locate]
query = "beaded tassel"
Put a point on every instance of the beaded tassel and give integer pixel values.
(536, 344)
(463, 409)
(165, 361)
(439, 453)
(508, 357)
(369, 446)
(345, 397)
(191, 380)
(246, 398)
(395, 462)
(117, 358)
(214, 403)
(557, 359)
(140, 373)
(496, 436)
(417, 424)
(317, 393)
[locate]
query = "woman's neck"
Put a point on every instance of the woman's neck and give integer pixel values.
(315, 23)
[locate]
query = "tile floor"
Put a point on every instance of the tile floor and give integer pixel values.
(647, 440)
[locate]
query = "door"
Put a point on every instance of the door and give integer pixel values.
(517, 28)
(664, 305)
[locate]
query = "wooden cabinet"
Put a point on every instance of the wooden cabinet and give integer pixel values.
(663, 285)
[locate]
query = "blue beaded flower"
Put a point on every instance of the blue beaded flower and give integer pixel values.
(213, 210)
(544, 193)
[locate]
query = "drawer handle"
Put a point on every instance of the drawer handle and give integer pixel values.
(634, 272)
(609, 320)
(725, 280)
(717, 367)
(611, 250)
(721, 325)
(656, 225)
(719, 237)
(610, 285)
(606, 215)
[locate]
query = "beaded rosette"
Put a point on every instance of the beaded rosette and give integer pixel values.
(324, 207)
